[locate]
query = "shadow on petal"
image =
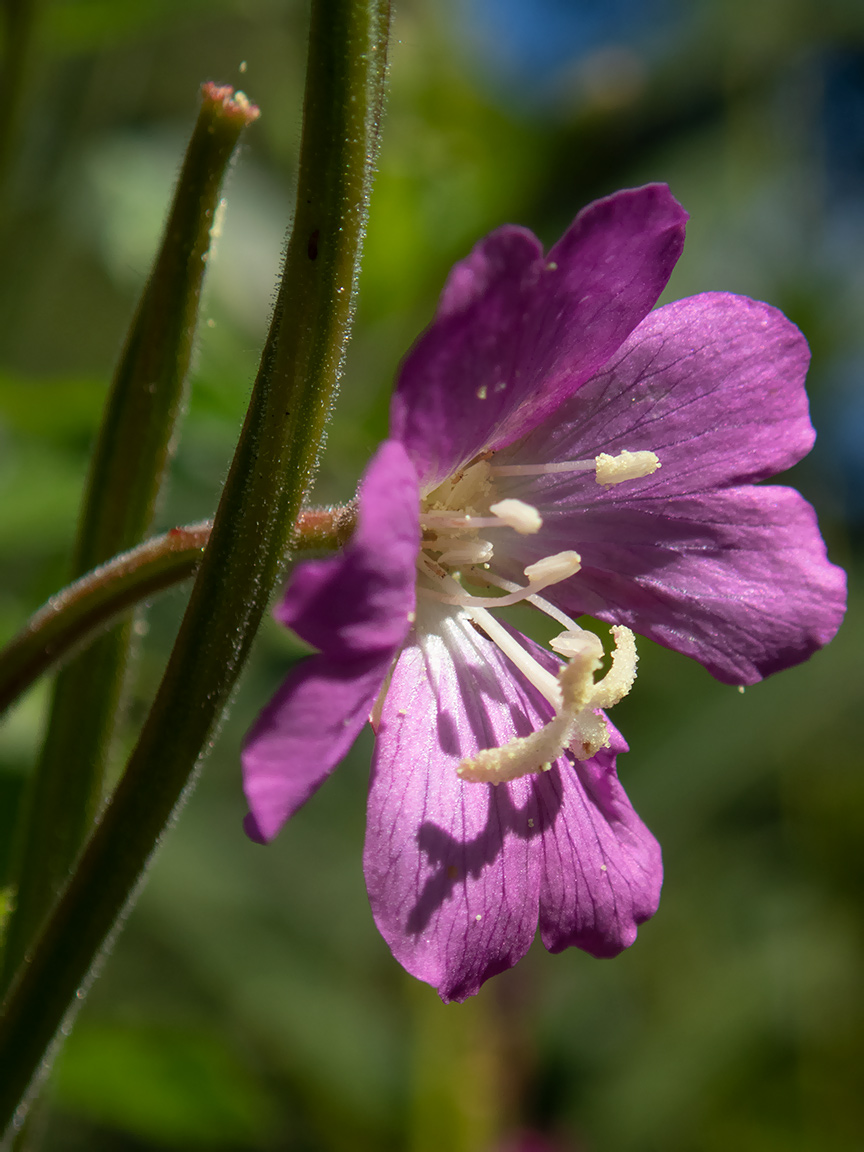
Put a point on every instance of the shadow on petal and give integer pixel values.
(457, 860)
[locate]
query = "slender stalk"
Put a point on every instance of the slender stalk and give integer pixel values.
(135, 440)
(129, 462)
(94, 601)
(460, 1091)
(80, 611)
(272, 467)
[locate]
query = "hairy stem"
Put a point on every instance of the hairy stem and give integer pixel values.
(128, 465)
(80, 611)
(270, 473)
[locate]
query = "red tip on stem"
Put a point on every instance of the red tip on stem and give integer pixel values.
(227, 102)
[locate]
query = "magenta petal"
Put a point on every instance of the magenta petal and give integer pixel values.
(714, 385)
(451, 870)
(454, 870)
(737, 578)
(303, 733)
(602, 870)
(355, 607)
(516, 333)
(358, 602)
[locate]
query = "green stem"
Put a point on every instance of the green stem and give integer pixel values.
(272, 468)
(73, 616)
(129, 462)
(460, 1087)
(78, 612)
(135, 440)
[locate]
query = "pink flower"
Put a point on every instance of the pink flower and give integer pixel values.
(552, 440)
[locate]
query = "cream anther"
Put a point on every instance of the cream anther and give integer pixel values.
(549, 570)
(516, 514)
(454, 557)
(468, 552)
(625, 466)
(464, 490)
(553, 569)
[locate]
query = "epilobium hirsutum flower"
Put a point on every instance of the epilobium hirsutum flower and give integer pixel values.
(555, 442)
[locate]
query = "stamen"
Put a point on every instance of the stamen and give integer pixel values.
(461, 521)
(465, 489)
(468, 552)
(554, 569)
(523, 518)
(433, 571)
(538, 601)
(438, 518)
(525, 755)
(545, 682)
(550, 570)
(610, 469)
(378, 706)
(452, 553)
(578, 724)
(542, 469)
(625, 466)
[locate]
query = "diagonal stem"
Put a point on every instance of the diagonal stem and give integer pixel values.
(272, 468)
(80, 611)
(129, 461)
(94, 601)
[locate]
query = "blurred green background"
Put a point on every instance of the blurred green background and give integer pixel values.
(249, 1003)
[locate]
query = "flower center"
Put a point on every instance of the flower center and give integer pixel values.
(455, 519)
